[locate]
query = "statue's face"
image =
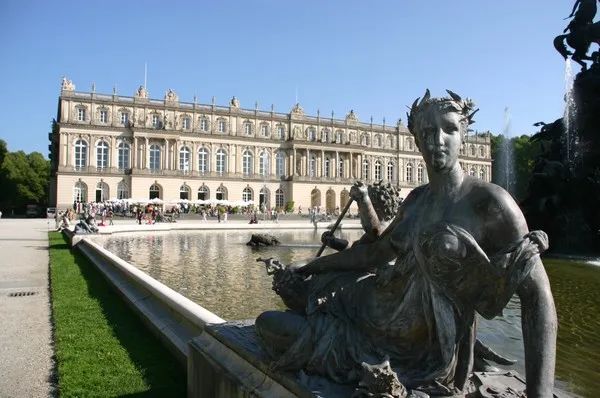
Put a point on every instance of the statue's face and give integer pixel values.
(440, 138)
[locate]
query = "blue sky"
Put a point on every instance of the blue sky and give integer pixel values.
(372, 56)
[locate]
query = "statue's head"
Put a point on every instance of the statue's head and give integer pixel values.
(439, 126)
(385, 199)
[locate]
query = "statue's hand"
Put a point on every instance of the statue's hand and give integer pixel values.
(359, 192)
(327, 238)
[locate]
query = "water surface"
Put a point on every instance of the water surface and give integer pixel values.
(219, 272)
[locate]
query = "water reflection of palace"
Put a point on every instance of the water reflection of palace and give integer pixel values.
(112, 146)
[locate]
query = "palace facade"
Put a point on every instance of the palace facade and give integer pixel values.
(111, 146)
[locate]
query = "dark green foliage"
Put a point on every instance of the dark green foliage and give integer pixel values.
(102, 348)
(24, 179)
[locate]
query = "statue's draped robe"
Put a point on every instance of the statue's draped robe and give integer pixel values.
(417, 310)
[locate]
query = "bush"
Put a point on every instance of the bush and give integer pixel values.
(289, 206)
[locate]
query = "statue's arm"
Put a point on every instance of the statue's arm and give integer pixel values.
(539, 326)
(357, 258)
(574, 8)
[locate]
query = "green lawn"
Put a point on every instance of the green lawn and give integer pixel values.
(102, 348)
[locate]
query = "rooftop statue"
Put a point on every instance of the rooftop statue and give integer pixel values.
(405, 299)
(235, 103)
(141, 92)
(66, 84)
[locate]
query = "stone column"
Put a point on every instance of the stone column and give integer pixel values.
(351, 169)
(293, 161)
(145, 154)
(336, 169)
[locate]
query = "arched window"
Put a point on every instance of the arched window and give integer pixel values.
(184, 192)
(222, 126)
(80, 154)
(263, 164)
(203, 193)
(247, 194)
(472, 150)
(247, 161)
(327, 167)
(409, 172)
(154, 158)
(330, 200)
(279, 198)
(280, 164)
(221, 193)
(312, 134)
(341, 168)
(221, 158)
(472, 172)
(420, 173)
(204, 123)
(344, 197)
(184, 159)
(409, 144)
(101, 192)
(203, 160)
(80, 192)
(123, 154)
(154, 191)
(482, 174)
(102, 155)
(122, 190)
(365, 169)
(264, 198)
(315, 198)
(391, 171)
(378, 170)
(312, 166)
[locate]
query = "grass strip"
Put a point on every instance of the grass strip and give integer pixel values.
(102, 348)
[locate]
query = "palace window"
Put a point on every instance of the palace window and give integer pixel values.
(264, 130)
(187, 123)
(247, 163)
(221, 193)
(481, 151)
(378, 170)
(281, 132)
(327, 167)
(279, 198)
(203, 193)
(80, 192)
(204, 124)
(339, 136)
(280, 164)
(154, 192)
(103, 116)
(326, 136)
(124, 118)
(365, 169)
(312, 166)
(184, 159)
(80, 154)
(247, 194)
(203, 160)
(154, 157)
(263, 164)
(156, 121)
(101, 192)
(390, 171)
(378, 141)
(248, 128)
(122, 190)
(341, 168)
(409, 144)
(221, 159)
(184, 192)
(123, 156)
(81, 114)
(420, 173)
(312, 134)
(222, 126)
(102, 155)
(472, 150)
(472, 172)
(409, 172)
(482, 174)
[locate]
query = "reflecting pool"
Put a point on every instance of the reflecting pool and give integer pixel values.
(218, 271)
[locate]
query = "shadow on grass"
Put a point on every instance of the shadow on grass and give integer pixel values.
(162, 373)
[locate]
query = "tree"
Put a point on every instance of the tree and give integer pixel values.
(24, 179)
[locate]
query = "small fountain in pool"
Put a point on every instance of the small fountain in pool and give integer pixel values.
(505, 159)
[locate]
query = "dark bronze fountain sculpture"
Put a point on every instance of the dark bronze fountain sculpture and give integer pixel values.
(394, 314)
(564, 191)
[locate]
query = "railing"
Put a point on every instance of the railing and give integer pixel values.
(94, 170)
